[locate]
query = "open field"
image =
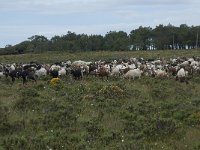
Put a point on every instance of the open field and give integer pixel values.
(147, 113)
(51, 57)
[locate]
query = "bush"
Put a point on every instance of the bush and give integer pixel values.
(159, 93)
(111, 91)
(160, 127)
(194, 119)
(27, 103)
(30, 92)
(4, 125)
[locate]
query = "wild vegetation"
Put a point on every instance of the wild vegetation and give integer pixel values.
(54, 56)
(147, 113)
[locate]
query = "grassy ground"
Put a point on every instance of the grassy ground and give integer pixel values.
(147, 113)
(51, 57)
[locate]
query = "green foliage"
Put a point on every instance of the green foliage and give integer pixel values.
(28, 100)
(29, 92)
(116, 41)
(194, 118)
(161, 127)
(54, 56)
(111, 91)
(4, 123)
(143, 38)
(147, 113)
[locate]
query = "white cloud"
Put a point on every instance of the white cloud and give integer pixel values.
(69, 6)
(20, 19)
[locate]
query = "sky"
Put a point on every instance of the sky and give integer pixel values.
(21, 19)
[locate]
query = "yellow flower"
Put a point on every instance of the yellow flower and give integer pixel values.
(54, 81)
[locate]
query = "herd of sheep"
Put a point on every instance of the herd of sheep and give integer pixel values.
(181, 69)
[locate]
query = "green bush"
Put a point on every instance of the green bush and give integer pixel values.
(194, 119)
(30, 92)
(160, 127)
(111, 91)
(159, 93)
(4, 122)
(25, 103)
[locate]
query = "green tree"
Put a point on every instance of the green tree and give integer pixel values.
(96, 42)
(40, 43)
(141, 38)
(116, 41)
(163, 36)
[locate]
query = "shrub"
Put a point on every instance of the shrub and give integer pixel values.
(27, 103)
(30, 92)
(159, 93)
(194, 118)
(161, 127)
(4, 125)
(111, 91)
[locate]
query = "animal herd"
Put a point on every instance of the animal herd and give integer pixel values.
(182, 69)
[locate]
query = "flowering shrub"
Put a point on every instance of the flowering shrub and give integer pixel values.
(194, 119)
(54, 81)
(111, 91)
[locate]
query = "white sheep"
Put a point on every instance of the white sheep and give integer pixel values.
(41, 72)
(62, 71)
(116, 71)
(132, 74)
(55, 67)
(182, 76)
(161, 73)
(1, 74)
(182, 73)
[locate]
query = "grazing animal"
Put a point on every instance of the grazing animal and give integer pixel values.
(161, 73)
(54, 73)
(13, 74)
(116, 71)
(62, 72)
(2, 74)
(124, 71)
(132, 74)
(103, 72)
(27, 74)
(41, 72)
(77, 73)
(172, 71)
(93, 69)
(182, 76)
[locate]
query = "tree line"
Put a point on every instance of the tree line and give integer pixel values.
(143, 38)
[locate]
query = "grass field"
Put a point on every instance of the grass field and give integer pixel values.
(143, 114)
(51, 57)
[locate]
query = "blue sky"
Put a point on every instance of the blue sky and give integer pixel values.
(21, 19)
